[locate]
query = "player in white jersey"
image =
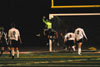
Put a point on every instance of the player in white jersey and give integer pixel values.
(3, 41)
(14, 40)
(69, 40)
(79, 35)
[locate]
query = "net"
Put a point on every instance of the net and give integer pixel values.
(90, 24)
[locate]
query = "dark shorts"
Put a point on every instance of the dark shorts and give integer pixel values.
(9, 45)
(3, 44)
(81, 40)
(14, 43)
(69, 43)
(52, 37)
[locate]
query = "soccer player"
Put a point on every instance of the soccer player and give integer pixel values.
(69, 41)
(3, 41)
(53, 35)
(47, 22)
(14, 39)
(45, 34)
(79, 35)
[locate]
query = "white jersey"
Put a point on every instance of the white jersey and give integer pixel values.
(13, 34)
(79, 34)
(69, 36)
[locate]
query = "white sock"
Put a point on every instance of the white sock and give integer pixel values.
(17, 52)
(73, 48)
(13, 52)
(79, 51)
(66, 48)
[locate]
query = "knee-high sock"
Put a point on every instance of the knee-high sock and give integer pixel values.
(17, 53)
(79, 51)
(10, 51)
(13, 52)
(73, 48)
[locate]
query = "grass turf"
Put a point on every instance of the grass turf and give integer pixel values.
(52, 59)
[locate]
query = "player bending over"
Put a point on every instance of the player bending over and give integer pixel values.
(79, 35)
(69, 41)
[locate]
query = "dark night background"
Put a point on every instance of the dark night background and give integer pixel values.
(27, 15)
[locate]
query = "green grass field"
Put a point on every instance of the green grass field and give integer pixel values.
(87, 59)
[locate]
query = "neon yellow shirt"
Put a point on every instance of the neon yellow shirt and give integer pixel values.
(48, 23)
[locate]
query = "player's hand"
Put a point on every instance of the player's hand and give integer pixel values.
(87, 39)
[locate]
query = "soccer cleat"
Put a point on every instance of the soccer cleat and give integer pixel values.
(54, 50)
(65, 49)
(17, 56)
(79, 54)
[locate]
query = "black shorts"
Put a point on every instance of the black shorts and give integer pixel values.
(81, 40)
(69, 43)
(3, 44)
(14, 43)
(9, 45)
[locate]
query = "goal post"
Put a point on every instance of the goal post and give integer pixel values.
(71, 14)
(73, 20)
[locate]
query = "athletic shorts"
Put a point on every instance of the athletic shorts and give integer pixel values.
(14, 43)
(69, 43)
(3, 44)
(9, 45)
(81, 40)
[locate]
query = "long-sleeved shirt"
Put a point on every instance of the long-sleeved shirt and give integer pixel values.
(69, 36)
(79, 34)
(48, 23)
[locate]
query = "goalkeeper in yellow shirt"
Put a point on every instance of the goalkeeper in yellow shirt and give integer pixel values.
(47, 22)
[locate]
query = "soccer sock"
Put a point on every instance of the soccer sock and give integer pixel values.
(17, 53)
(2, 52)
(10, 51)
(74, 48)
(79, 51)
(13, 52)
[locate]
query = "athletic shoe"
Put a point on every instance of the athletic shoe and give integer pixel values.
(79, 54)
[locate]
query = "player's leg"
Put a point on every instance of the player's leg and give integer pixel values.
(2, 50)
(65, 46)
(79, 48)
(73, 46)
(17, 52)
(53, 45)
(56, 44)
(68, 45)
(12, 48)
(9, 49)
(13, 52)
(71, 43)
